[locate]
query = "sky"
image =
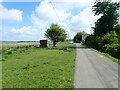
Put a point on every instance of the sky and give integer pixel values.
(28, 21)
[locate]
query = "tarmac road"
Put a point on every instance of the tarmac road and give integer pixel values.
(93, 70)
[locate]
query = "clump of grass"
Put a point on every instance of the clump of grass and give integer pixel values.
(46, 63)
(64, 48)
(5, 56)
(17, 47)
(4, 50)
(26, 67)
(9, 52)
(3, 59)
(26, 48)
(35, 65)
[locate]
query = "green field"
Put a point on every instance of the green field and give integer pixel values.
(32, 67)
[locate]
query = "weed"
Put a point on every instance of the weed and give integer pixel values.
(26, 67)
(2, 59)
(46, 63)
(9, 52)
(26, 48)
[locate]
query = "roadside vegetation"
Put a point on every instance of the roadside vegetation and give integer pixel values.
(33, 67)
(106, 36)
(108, 56)
(107, 44)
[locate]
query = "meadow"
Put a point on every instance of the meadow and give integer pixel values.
(28, 66)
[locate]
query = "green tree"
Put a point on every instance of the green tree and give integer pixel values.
(109, 16)
(78, 37)
(94, 41)
(110, 38)
(117, 29)
(55, 34)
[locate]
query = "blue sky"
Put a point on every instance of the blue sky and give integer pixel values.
(26, 7)
(27, 21)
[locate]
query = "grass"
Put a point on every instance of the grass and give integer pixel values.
(108, 56)
(0, 72)
(39, 67)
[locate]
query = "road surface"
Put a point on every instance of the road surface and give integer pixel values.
(93, 70)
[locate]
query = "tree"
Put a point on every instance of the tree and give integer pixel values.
(110, 38)
(109, 17)
(55, 34)
(78, 37)
(94, 42)
(117, 29)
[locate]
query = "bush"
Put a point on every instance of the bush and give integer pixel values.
(26, 48)
(4, 50)
(110, 38)
(108, 44)
(94, 42)
(113, 49)
(2, 59)
(9, 52)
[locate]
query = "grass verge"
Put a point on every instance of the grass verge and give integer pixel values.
(108, 56)
(33, 67)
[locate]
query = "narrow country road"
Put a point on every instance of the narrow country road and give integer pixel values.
(93, 70)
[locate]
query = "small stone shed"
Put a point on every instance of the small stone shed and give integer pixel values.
(43, 43)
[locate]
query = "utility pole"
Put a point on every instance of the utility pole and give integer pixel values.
(68, 35)
(91, 29)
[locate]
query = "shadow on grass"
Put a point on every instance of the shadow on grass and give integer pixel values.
(79, 47)
(64, 47)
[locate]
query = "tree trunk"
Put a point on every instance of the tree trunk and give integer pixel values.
(54, 43)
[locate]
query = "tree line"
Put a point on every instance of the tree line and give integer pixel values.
(106, 36)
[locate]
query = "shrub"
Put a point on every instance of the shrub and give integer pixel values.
(2, 59)
(110, 38)
(9, 52)
(94, 42)
(113, 49)
(26, 48)
(4, 50)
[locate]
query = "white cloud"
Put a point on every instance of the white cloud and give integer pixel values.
(46, 12)
(44, 15)
(82, 21)
(72, 18)
(24, 30)
(115, 0)
(81, 1)
(37, 22)
(10, 14)
(26, 33)
(71, 5)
